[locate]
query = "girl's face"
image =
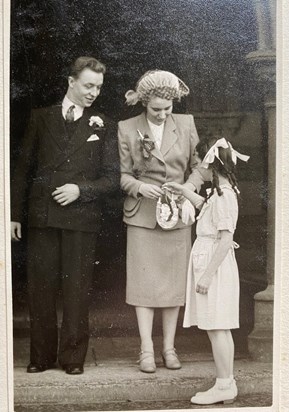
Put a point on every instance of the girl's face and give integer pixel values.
(158, 110)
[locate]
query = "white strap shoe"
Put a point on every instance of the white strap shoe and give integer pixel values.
(216, 394)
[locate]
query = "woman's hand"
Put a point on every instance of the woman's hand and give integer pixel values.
(174, 187)
(204, 284)
(150, 191)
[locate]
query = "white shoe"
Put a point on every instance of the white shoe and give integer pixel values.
(215, 395)
(206, 392)
(235, 388)
(233, 385)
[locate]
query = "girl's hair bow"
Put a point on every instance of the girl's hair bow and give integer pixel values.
(213, 153)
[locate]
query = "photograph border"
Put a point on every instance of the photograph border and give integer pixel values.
(281, 302)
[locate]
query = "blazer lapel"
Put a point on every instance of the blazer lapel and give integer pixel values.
(144, 128)
(170, 136)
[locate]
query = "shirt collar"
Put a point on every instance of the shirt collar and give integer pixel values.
(67, 103)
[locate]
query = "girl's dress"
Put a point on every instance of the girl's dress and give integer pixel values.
(219, 308)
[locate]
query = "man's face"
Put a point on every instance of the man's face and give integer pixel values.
(84, 89)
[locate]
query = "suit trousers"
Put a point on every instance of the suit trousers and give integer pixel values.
(59, 259)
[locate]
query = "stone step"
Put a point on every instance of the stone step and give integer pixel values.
(112, 379)
(254, 400)
(121, 381)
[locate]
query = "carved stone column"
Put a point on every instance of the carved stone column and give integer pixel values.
(260, 341)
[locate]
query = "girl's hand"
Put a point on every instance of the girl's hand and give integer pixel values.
(179, 189)
(204, 284)
(175, 188)
(150, 191)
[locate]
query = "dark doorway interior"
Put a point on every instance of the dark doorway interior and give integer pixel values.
(205, 43)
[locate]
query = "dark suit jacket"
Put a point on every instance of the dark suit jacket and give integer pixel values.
(49, 159)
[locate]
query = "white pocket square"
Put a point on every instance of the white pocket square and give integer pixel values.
(92, 138)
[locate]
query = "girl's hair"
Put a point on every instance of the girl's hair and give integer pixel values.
(227, 169)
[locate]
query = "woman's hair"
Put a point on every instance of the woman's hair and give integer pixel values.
(227, 169)
(157, 83)
(85, 62)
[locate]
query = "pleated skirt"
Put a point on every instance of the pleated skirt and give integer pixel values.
(157, 262)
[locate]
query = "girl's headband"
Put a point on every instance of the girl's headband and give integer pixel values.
(213, 153)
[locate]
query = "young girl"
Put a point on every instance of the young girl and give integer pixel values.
(212, 298)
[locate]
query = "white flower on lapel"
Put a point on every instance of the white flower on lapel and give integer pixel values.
(92, 138)
(96, 121)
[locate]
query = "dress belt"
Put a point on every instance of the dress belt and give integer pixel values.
(235, 245)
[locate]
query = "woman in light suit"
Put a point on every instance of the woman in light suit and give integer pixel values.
(156, 147)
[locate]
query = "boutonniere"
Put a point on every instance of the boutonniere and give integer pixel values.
(96, 122)
(147, 145)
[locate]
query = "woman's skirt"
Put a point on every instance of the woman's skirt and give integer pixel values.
(157, 262)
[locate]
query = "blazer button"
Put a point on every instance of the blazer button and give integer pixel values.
(68, 160)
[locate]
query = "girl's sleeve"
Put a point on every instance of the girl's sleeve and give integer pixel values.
(225, 211)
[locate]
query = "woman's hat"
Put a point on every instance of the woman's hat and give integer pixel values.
(159, 83)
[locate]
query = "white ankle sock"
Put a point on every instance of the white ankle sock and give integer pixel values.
(223, 383)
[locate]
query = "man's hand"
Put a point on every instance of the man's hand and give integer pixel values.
(66, 194)
(15, 231)
(150, 191)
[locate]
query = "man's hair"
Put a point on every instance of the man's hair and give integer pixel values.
(85, 62)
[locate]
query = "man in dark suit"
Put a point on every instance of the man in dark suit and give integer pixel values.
(68, 163)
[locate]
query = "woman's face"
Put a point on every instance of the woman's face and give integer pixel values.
(158, 110)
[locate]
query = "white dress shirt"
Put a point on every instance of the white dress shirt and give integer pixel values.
(157, 132)
(66, 104)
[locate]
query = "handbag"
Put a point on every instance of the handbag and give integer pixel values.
(167, 211)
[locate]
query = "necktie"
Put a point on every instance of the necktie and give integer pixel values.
(70, 114)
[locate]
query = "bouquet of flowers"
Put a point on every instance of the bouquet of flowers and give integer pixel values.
(147, 145)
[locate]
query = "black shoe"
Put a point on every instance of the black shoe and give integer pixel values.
(73, 369)
(34, 368)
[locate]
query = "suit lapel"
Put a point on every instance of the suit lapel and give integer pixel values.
(144, 128)
(81, 134)
(56, 125)
(170, 136)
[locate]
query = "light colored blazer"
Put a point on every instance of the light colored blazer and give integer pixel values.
(175, 161)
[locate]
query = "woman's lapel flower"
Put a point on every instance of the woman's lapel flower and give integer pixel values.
(147, 145)
(96, 122)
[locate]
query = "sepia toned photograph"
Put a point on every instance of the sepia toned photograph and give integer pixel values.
(142, 197)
